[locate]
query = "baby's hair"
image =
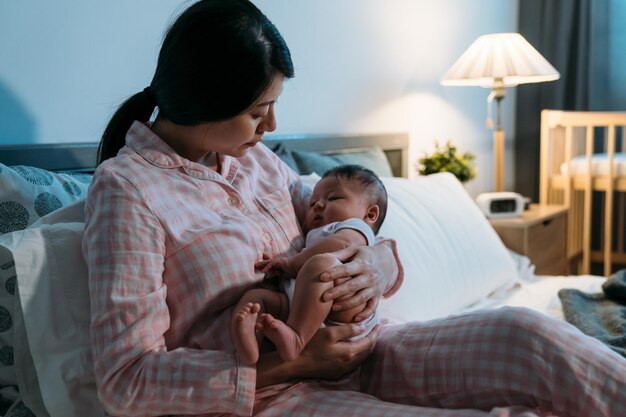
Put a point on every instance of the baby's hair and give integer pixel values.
(370, 181)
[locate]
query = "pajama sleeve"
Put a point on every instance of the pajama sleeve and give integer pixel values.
(136, 374)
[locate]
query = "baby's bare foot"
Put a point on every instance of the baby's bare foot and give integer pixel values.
(244, 334)
(287, 341)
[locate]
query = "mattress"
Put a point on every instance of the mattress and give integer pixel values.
(599, 165)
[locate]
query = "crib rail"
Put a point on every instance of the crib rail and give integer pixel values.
(564, 136)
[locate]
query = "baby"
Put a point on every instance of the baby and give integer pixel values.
(347, 208)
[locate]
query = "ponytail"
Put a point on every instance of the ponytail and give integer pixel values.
(137, 107)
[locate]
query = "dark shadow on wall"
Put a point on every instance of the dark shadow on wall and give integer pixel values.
(17, 124)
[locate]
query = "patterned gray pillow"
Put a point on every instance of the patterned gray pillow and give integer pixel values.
(8, 378)
(19, 409)
(28, 193)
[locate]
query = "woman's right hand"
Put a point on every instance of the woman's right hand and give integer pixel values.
(326, 356)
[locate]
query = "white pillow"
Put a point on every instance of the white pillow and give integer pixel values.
(451, 255)
(52, 285)
(310, 179)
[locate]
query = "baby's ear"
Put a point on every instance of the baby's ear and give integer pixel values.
(372, 214)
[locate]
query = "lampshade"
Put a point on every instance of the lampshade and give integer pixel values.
(503, 58)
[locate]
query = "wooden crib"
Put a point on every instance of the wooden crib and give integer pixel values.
(583, 166)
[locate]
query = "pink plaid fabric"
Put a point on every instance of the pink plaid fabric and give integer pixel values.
(170, 247)
(509, 362)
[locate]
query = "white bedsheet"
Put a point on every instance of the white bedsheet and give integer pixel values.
(540, 293)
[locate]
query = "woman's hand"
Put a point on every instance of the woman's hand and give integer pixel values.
(363, 278)
(326, 356)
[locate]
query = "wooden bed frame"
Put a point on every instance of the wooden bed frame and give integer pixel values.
(565, 135)
(82, 156)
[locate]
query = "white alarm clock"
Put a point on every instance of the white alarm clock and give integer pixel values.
(501, 204)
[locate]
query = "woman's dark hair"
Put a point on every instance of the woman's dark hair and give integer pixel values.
(217, 59)
(370, 182)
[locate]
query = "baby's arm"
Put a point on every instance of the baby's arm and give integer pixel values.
(283, 267)
(279, 267)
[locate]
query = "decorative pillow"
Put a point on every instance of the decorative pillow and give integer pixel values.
(19, 409)
(28, 193)
(451, 255)
(7, 302)
(309, 162)
(8, 379)
(9, 396)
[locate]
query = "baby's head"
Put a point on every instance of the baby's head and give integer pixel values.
(345, 192)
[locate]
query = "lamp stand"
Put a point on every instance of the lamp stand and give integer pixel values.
(498, 156)
(498, 136)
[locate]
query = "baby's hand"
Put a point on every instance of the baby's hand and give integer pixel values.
(279, 267)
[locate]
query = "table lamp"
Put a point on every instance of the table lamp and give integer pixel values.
(497, 61)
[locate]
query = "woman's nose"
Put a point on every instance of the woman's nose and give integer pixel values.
(269, 121)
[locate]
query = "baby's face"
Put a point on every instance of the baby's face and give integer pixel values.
(333, 200)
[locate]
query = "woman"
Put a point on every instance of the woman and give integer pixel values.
(181, 208)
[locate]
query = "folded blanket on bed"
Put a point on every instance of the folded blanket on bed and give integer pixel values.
(601, 315)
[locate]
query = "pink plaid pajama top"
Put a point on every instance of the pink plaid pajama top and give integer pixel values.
(170, 247)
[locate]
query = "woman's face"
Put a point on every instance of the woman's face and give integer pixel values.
(233, 137)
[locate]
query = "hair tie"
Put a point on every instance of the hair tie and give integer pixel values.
(155, 111)
(149, 94)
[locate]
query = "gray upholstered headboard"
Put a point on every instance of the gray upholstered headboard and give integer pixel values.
(82, 156)
(53, 157)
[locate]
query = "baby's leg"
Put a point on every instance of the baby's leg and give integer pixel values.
(307, 312)
(243, 324)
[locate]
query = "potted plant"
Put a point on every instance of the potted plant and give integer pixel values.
(448, 160)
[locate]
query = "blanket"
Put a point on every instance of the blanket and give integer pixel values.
(601, 315)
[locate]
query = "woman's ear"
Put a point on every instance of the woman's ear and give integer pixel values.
(372, 214)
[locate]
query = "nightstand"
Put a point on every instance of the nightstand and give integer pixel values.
(539, 233)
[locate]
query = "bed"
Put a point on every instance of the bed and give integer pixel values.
(583, 167)
(453, 260)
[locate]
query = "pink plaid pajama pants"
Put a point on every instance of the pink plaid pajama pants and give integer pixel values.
(503, 362)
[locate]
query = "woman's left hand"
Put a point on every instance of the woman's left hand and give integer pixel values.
(363, 277)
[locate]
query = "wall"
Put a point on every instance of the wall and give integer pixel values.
(361, 66)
